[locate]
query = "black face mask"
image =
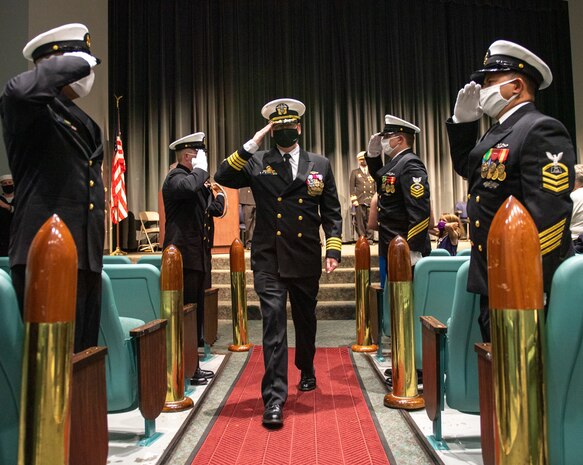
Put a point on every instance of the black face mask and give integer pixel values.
(8, 189)
(285, 137)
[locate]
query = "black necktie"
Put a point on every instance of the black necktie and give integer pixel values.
(287, 169)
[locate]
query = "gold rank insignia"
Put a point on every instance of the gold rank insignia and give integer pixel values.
(555, 175)
(388, 184)
(315, 183)
(269, 171)
(417, 189)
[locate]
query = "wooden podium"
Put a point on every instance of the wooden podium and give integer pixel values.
(226, 228)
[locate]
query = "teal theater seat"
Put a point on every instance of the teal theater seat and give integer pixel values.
(464, 252)
(154, 259)
(564, 364)
(129, 353)
(439, 253)
(11, 337)
(450, 364)
(433, 291)
(136, 289)
(4, 265)
(116, 260)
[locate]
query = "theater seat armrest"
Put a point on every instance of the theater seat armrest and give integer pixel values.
(433, 324)
(148, 328)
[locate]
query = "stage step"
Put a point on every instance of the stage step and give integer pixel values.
(336, 298)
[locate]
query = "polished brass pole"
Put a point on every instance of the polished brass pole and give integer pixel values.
(171, 308)
(49, 320)
(238, 298)
(515, 287)
(362, 283)
(400, 276)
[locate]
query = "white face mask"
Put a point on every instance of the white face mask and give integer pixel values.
(491, 100)
(82, 87)
(387, 149)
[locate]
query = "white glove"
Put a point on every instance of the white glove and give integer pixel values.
(88, 58)
(374, 146)
(200, 161)
(467, 106)
(415, 257)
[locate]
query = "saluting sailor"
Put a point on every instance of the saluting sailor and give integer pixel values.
(295, 193)
(403, 190)
(185, 204)
(525, 154)
(55, 153)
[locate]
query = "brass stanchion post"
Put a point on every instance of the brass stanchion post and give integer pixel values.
(362, 283)
(238, 298)
(49, 319)
(515, 287)
(171, 308)
(400, 276)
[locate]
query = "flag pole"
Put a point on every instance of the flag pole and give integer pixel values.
(117, 250)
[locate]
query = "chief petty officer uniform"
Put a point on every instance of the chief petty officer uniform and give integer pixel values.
(286, 251)
(403, 196)
(55, 154)
(528, 155)
(362, 189)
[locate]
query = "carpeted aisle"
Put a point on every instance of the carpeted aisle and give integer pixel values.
(331, 425)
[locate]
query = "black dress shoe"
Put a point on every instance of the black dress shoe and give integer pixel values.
(200, 373)
(197, 380)
(273, 415)
(307, 382)
(389, 375)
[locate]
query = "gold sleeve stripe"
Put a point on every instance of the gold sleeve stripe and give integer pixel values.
(334, 243)
(418, 228)
(551, 237)
(554, 228)
(550, 248)
(236, 161)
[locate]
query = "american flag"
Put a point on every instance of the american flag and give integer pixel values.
(119, 204)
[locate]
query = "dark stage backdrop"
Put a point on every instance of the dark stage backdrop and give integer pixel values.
(210, 65)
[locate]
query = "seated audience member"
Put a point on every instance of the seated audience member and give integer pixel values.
(577, 198)
(450, 231)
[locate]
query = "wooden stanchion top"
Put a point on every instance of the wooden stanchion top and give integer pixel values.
(399, 260)
(51, 275)
(515, 276)
(237, 256)
(362, 254)
(171, 278)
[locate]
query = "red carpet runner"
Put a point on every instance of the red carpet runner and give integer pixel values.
(331, 425)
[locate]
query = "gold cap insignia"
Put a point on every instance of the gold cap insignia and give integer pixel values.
(88, 40)
(486, 57)
(282, 109)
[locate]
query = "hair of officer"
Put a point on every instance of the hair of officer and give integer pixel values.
(409, 138)
(529, 83)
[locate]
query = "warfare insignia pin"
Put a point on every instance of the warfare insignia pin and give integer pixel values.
(269, 171)
(417, 189)
(315, 183)
(555, 175)
(501, 145)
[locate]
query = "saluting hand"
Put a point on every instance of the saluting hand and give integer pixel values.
(467, 106)
(331, 264)
(259, 135)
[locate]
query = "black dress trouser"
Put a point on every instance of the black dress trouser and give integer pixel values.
(272, 291)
